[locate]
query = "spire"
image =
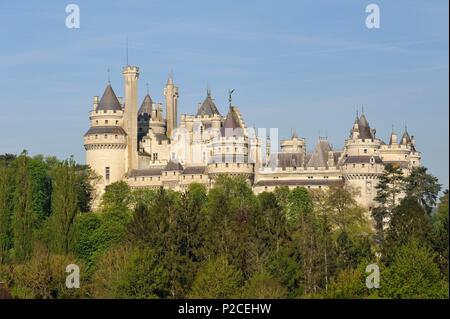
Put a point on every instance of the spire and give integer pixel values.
(170, 78)
(146, 106)
(127, 51)
(393, 138)
(208, 106)
(406, 139)
(109, 101)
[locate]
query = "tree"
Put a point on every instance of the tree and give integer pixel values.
(412, 274)
(231, 211)
(263, 286)
(117, 196)
(144, 277)
(345, 213)
(6, 209)
(44, 276)
(65, 182)
(408, 222)
(217, 279)
(284, 266)
(423, 187)
(391, 184)
(440, 234)
(41, 187)
(96, 233)
(24, 216)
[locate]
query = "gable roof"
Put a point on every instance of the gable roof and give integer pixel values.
(109, 101)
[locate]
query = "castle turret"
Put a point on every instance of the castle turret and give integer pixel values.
(106, 141)
(361, 162)
(131, 76)
(144, 116)
(171, 94)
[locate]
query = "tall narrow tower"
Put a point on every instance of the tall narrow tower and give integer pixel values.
(131, 76)
(171, 94)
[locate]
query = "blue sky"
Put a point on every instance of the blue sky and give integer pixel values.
(303, 65)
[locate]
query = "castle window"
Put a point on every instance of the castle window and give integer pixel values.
(365, 151)
(107, 173)
(96, 136)
(201, 176)
(143, 179)
(192, 177)
(174, 173)
(226, 165)
(96, 122)
(363, 165)
(117, 122)
(116, 136)
(106, 135)
(354, 165)
(106, 121)
(155, 156)
(184, 177)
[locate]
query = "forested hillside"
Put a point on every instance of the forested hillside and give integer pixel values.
(222, 243)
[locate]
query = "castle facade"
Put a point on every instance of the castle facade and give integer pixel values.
(149, 148)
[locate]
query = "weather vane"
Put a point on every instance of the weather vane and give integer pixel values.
(230, 92)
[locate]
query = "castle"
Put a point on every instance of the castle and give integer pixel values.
(149, 150)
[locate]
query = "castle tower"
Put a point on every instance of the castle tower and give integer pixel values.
(131, 76)
(171, 94)
(106, 141)
(361, 161)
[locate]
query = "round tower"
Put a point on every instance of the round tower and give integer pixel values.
(361, 162)
(106, 142)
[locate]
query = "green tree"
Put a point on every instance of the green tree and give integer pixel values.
(391, 184)
(412, 274)
(117, 196)
(65, 181)
(24, 216)
(6, 209)
(409, 221)
(440, 234)
(263, 286)
(423, 187)
(217, 279)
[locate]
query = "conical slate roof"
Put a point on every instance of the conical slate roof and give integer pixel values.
(146, 106)
(406, 139)
(109, 101)
(208, 107)
(393, 135)
(364, 128)
(320, 156)
(231, 123)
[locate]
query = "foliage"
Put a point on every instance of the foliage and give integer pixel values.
(217, 279)
(413, 274)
